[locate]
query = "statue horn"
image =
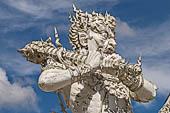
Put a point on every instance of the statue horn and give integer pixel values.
(21, 50)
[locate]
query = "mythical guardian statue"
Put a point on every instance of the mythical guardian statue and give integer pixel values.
(92, 77)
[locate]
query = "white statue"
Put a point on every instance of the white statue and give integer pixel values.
(92, 77)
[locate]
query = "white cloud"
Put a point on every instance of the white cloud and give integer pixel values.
(43, 8)
(14, 96)
(150, 41)
(25, 81)
(147, 105)
(124, 30)
(19, 65)
(28, 13)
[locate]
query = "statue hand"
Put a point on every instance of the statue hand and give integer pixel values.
(93, 59)
(112, 61)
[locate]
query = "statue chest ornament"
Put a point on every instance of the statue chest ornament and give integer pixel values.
(95, 95)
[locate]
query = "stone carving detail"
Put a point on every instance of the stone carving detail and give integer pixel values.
(92, 77)
(166, 107)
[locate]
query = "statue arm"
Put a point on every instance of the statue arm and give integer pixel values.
(54, 77)
(146, 93)
(131, 75)
(141, 90)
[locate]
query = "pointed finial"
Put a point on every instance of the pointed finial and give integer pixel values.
(70, 18)
(48, 40)
(57, 38)
(86, 14)
(106, 14)
(74, 8)
(127, 63)
(41, 39)
(72, 45)
(93, 13)
(139, 62)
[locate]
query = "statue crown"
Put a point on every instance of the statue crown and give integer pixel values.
(81, 22)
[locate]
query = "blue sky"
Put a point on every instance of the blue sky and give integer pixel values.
(143, 27)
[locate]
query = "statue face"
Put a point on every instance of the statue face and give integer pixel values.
(103, 40)
(83, 38)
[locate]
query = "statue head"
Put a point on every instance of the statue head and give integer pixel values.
(92, 31)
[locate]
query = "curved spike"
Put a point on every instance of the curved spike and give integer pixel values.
(41, 39)
(73, 31)
(21, 50)
(93, 13)
(48, 40)
(73, 39)
(74, 8)
(127, 63)
(71, 43)
(139, 60)
(57, 38)
(86, 13)
(70, 18)
(72, 34)
(106, 14)
(80, 11)
(74, 18)
(55, 31)
(73, 27)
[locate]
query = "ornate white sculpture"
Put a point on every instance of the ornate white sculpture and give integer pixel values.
(92, 77)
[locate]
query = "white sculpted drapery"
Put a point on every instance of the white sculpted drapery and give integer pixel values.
(92, 77)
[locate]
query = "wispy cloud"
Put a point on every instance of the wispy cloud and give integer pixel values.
(124, 30)
(42, 8)
(147, 105)
(150, 41)
(18, 65)
(14, 96)
(24, 81)
(28, 13)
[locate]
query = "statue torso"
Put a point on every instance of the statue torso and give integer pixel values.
(98, 94)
